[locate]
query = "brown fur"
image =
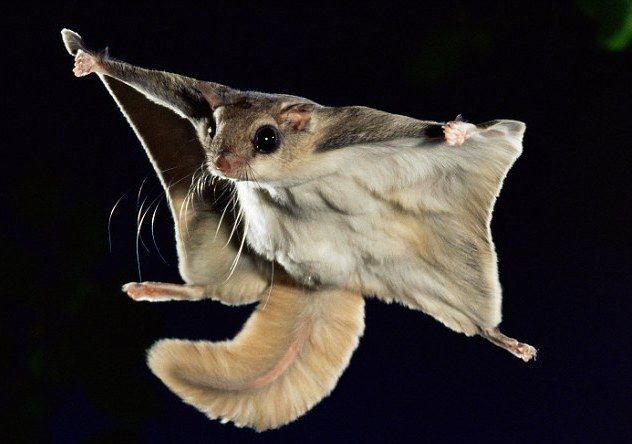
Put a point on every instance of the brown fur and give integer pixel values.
(288, 356)
(298, 341)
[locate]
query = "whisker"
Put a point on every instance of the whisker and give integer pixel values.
(219, 224)
(265, 304)
(228, 204)
(184, 221)
(176, 215)
(110, 218)
(187, 199)
(202, 181)
(138, 209)
(237, 221)
(140, 190)
(224, 191)
(137, 247)
(162, 172)
(234, 201)
(140, 222)
(153, 235)
(236, 260)
(139, 227)
(254, 177)
(141, 217)
(171, 185)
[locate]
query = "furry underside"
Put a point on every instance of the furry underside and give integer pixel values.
(406, 221)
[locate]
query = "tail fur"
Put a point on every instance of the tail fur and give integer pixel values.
(288, 357)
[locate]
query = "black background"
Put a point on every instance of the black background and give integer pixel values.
(75, 344)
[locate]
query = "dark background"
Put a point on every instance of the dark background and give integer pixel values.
(74, 344)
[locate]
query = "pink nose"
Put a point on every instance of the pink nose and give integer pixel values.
(227, 163)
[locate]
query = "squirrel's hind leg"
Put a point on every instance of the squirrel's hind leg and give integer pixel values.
(521, 350)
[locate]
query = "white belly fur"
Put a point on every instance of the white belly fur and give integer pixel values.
(411, 226)
(327, 232)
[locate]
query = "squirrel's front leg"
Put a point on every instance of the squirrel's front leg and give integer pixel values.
(161, 291)
(184, 95)
(245, 290)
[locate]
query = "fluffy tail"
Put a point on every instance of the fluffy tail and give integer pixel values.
(288, 357)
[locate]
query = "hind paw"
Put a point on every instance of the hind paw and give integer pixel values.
(521, 350)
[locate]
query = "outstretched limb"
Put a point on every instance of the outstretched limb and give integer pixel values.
(448, 196)
(233, 292)
(287, 358)
(161, 291)
(521, 350)
(456, 133)
(181, 94)
(154, 102)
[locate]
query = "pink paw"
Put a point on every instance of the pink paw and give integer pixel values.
(134, 290)
(84, 64)
(147, 291)
(526, 352)
(456, 132)
(160, 291)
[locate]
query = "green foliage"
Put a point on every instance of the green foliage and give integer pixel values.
(614, 18)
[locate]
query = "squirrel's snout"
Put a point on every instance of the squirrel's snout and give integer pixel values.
(228, 163)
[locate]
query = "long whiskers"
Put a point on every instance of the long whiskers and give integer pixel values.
(139, 209)
(221, 218)
(148, 207)
(166, 190)
(232, 202)
(235, 225)
(110, 218)
(265, 304)
(153, 234)
(185, 203)
(236, 260)
(140, 206)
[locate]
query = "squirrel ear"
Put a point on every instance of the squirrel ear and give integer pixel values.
(215, 94)
(297, 115)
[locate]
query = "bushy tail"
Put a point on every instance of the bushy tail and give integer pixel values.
(288, 357)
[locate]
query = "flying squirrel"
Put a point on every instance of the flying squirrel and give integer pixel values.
(347, 201)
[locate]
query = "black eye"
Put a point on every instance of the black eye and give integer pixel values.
(266, 140)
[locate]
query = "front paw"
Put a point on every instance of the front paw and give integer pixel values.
(456, 132)
(135, 290)
(85, 64)
(160, 291)
(147, 291)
